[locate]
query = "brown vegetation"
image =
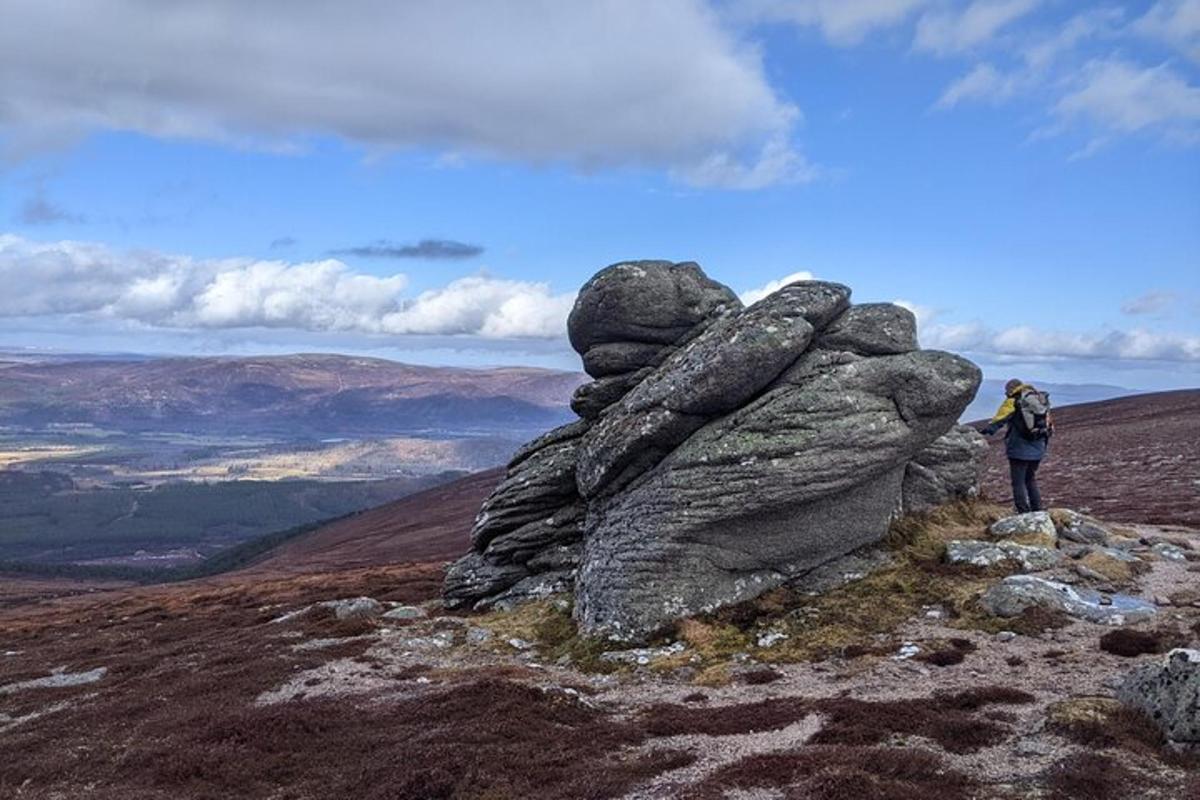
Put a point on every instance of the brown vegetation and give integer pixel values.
(1130, 643)
(948, 719)
(843, 773)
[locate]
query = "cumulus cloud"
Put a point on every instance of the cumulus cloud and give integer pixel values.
(433, 249)
(841, 22)
(624, 83)
(1149, 303)
(1029, 342)
(90, 281)
(945, 31)
(752, 296)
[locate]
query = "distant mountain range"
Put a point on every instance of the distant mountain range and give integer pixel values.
(296, 395)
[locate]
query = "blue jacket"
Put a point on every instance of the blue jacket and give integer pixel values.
(1016, 445)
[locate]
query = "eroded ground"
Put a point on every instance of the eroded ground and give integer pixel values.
(891, 686)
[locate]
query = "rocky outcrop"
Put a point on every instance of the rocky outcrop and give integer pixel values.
(723, 451)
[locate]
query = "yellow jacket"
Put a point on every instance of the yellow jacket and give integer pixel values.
(1010, 404)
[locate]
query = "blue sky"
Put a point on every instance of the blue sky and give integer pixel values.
(433, 181)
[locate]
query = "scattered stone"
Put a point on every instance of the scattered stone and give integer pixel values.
(1168, 551)
(642, 656)
(771, 638)
(405, 612)
(1035, 528)
(989, 554)
(1016, 593)
(479, 636)
(519, 644)
(1169, 693)
(57, 680)
(907, 650)
(353, 607)
(1005, 636)
(1076, 527)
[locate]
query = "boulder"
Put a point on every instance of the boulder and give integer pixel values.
(873, 329)
(945, 471)
(1169, 693)
(723, 451)
(1112, 564)
(990, 554)
(651, 302)
(1017, 593)
(1033, 528)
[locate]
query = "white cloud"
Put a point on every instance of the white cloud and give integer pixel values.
(157, 290)
(660, 85)
(752, 296)
(984, 83)
(1176, 22)
(843, 22)
(1149, 303)
(945, 31)
(777, 163)
(1029, 342)
(1122, 97)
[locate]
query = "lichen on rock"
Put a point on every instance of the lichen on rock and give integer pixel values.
(724, 451)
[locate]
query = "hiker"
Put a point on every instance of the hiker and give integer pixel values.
(1026, 411)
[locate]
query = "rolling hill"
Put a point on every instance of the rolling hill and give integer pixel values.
(295, 395)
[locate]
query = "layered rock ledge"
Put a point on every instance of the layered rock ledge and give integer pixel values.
(722, 450)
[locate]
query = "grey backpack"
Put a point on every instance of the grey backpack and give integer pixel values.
(1033, 414)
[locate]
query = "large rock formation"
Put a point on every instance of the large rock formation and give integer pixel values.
(723, 450)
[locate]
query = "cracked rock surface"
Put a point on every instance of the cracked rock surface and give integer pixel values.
(723, 450)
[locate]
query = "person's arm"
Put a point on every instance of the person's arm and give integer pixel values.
(1006, 410)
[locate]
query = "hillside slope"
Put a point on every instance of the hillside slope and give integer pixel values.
(433, 525)
(314, 394)
(1131, 459)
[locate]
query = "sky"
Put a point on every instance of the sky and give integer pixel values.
(432, 181)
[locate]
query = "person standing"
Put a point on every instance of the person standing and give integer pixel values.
(1026, 412)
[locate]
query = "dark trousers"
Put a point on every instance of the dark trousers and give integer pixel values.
(1024, 485)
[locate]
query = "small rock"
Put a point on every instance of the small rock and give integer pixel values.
(405, 612)
(479, 635)
(1005, 636)
(771, 638)
(519, 644)
(907, 650)
(348, 608)
(1170, 552)
(1034, 528)
(1016, 593)
(1076, 527)
(986, 554)
(642, 655)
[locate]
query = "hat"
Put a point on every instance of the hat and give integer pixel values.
(1012, 386)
